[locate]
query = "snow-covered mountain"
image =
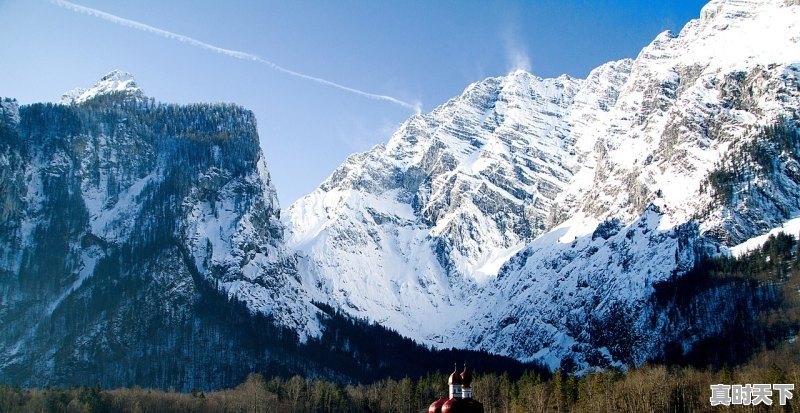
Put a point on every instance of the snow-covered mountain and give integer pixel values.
(412, 228)
(534, 218)
(116, 81)
(523, 215)
(122, 221)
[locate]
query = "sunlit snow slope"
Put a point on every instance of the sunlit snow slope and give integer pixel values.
(519, 215)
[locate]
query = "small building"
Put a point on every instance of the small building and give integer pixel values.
(460, 395)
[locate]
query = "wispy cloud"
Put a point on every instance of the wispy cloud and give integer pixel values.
(518, 59)
(516, 54)
(226, 52)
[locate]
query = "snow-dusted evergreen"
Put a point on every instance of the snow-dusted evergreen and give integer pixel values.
(523, 215)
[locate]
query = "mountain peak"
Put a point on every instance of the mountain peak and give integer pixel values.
(734, 8)
(116, 81)
(117, 75)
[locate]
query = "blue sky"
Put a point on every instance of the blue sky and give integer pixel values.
(415, 51)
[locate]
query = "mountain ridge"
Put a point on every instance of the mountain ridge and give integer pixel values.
(521, 169)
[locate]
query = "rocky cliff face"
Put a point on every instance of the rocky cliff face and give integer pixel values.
(122, 219)
(410, 228)
(520, 214)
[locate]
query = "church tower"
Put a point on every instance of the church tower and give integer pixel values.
(460, 395)
(466, 383)
(454, 382)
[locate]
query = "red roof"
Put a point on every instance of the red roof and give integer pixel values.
(462, 406)
(436, 407)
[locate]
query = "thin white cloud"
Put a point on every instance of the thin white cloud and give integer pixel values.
(227, 52)
(516, 53)
(519, 60)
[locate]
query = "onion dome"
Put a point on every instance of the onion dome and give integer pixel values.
(455, 378)
(451, 406)
(466, 377)
(436, 407)
(462, 406)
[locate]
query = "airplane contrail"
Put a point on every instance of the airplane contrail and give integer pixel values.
(227, 52)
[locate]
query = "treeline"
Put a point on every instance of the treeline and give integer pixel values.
(751, 301)
(369, 351)
(770, 262)
(650, 388)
